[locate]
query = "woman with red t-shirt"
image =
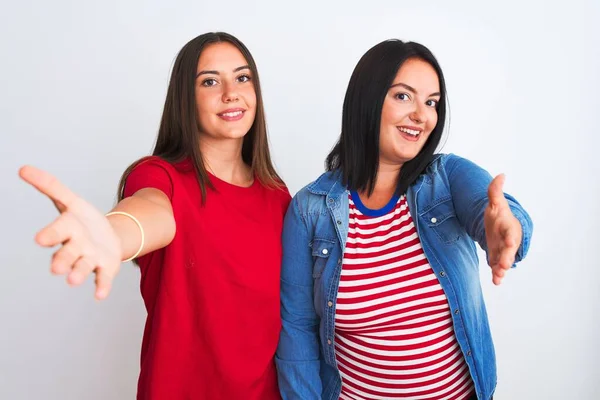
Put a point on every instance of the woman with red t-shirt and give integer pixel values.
(202, 217)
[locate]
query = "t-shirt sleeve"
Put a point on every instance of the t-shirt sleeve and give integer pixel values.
(153, 173)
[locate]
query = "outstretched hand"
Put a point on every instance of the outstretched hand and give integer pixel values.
(502, 230)
(88, 241)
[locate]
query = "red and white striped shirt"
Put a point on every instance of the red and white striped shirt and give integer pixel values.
(394, 333)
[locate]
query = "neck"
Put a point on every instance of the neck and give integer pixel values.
(223, 158)
(384, 187)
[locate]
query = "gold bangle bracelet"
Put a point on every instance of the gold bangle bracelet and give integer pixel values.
(134, 219)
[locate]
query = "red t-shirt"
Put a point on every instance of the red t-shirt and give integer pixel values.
(212, 295)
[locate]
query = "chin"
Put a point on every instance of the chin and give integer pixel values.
(403, 156)
(236, 134)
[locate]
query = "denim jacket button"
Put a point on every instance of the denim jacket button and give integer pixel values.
(442, 274)
(339, 222)
(433, 220)
(331, 201)
(328, 341)
(469, 353)
(330, 303)
(456, 311)
(325, 251)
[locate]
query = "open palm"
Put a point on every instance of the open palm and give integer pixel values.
(88, 241)
(502, 230)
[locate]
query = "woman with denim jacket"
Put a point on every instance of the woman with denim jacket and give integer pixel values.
(380, 291)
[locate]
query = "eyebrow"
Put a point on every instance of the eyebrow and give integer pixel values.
(217, 72)
(413, 90)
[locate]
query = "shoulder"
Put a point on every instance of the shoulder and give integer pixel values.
(282, 194)
(154, 172)
(447, 163)
(312, 189)
(311, 198)
(155, 164)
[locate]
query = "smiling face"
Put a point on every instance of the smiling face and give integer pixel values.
(225, 95)
(409, 112)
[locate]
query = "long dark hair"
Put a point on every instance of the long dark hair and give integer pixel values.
(178, 136)
(356, 154)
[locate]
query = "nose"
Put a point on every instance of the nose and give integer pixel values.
(230, 95)
(418, 115)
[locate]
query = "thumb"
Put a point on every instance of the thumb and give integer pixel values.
(495, 192)
(47, 184)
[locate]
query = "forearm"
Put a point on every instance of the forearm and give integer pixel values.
(153, 210)
(469, 185)
(298, 354)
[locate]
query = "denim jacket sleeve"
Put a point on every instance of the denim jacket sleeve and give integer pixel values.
(468, 185)
(298, 355)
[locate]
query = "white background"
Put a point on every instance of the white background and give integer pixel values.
(82, 86)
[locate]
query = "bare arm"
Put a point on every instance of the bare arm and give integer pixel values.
(90, 241)
(153, 210)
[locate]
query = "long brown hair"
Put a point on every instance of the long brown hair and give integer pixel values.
(178, 136)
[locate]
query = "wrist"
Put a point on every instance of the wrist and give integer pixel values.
(121, 222)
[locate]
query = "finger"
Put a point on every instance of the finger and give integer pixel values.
(496, 280)
(513, 235)
(497, 275)
(507, 258)
(495, 193)
(64, 258)
(493, 257)
(510, 240)
(103, 283)
(509, 246)
(64, 228)
(82, 268)
(500, 272)
(48, 185)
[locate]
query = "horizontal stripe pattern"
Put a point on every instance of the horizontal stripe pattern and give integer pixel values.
(393, 326)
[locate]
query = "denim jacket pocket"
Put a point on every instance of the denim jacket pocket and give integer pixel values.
(441, 218)
(321, 249)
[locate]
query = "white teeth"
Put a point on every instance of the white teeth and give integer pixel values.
(409, 131)
(232, 114)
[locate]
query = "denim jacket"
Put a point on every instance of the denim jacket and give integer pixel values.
(447, 203)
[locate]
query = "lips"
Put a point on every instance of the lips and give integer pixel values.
(413, 132)
(232, 114)
(410, 133)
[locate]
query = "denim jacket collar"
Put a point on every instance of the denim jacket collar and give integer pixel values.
(330, 183)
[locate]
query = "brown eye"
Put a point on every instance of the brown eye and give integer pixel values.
(402, 96)
(209, 82)
(244, 78)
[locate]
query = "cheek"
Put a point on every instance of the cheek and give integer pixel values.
(432, 121)
(203, 103)
(394, 114)
(206, 108)
(388, 140)
(250, 97)
(389, 114)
